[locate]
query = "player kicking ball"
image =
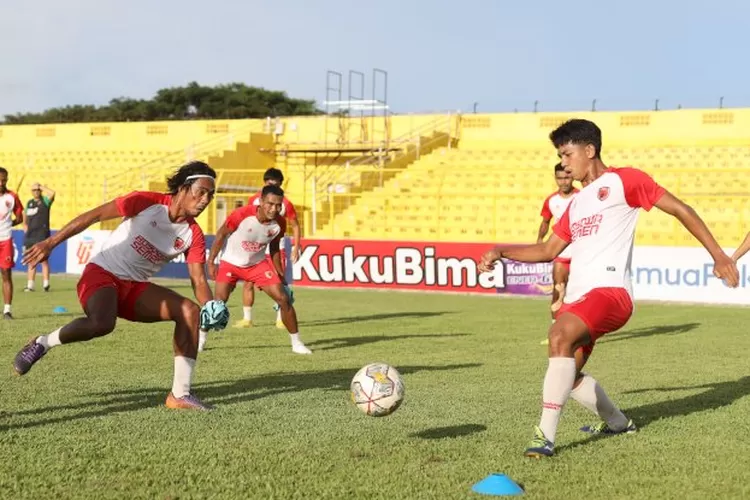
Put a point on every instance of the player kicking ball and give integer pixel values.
(247, 232)
(599, 226)
(156, 228)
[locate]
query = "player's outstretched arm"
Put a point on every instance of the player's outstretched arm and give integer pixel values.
(296, 234)
(222, 234)
(540, 252)
(273, 249)
(40, 251)
(543, 230)
(724, 267)
(199, 281)
(742, 249)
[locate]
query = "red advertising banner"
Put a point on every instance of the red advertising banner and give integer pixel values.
(446, 267)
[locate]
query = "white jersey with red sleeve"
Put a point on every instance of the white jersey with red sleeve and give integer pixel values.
(147, 239)
(600, 226)
(554, 207)
(287, 208)
(10, 208)
(246, 246)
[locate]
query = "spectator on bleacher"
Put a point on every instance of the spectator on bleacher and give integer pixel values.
(36, 229)
(12, 216)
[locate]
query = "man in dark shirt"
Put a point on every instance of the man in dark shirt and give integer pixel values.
(36, 228)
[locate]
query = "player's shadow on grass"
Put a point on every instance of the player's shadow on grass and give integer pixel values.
(712, 396)
(278, 383)
(220, 393)
(650, 331)
(342, 342)
(375, 317)
(452, 431)
(339, 343)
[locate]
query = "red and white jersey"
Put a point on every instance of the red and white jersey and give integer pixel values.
(600, 226)
(10, 206)
(147, 239)
(554, 207)
(287, 209)
(246, 246)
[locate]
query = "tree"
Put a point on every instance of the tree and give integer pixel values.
(194, 101)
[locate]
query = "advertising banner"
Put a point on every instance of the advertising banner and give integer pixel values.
(56, 259)
(448, 267)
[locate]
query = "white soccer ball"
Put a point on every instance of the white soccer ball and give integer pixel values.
(377, 389)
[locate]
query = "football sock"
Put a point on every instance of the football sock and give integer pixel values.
(202, 337)
(30, 284)
(6, 309)
(49, 341)
(183, 376)
(558, 382)
(295, 338)
(591, 395)
(247, 313)
(45, 283)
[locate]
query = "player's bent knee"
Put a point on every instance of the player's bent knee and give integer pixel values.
(283, 301)
(562, 339)
(190, 312)
(102, 325)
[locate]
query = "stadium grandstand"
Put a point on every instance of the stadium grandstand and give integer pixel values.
(433, 177)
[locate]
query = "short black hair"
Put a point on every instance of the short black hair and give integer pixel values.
(271, 189)
(273, 174)
(559, 168)
(179, 178)
(578, 131)
(3, 171)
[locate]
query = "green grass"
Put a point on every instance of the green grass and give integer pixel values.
(88, 420)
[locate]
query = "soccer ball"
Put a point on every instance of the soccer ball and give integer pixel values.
(377, 389)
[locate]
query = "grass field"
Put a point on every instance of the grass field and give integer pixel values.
(88, 420)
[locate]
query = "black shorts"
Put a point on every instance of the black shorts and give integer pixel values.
(30, 242)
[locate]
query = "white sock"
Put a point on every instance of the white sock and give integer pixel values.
(6, 309)
(278, 315)
(45, 283)
(591, 395)
(49, 341)
(202, 337)
(30, 284)
(558, 382)
(183, 376)
(247, 313)
(295, 338)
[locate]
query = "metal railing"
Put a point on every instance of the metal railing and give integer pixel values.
(434, 208)
(156, 169)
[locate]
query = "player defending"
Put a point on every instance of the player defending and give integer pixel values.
(599, 225)
(12, 215)
(554, 206)
(156, 228)
(271, 177)
(248, 231)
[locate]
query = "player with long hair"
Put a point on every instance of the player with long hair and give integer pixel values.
(156, 228)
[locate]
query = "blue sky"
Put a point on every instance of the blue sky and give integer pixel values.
(440, 55)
